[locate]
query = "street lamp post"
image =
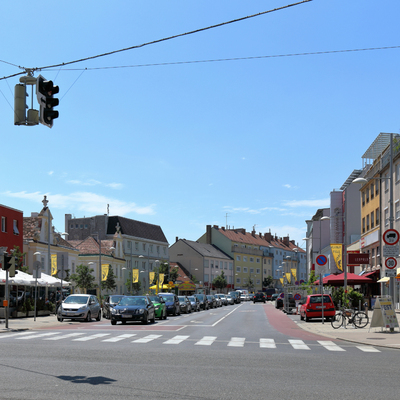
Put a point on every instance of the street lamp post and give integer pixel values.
(36, 270)
(321, 275)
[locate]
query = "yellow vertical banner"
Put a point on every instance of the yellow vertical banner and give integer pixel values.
(288, 276)
(294, 273)
(151, 275)
(337, 255)
(160, 279)
(104, 271)
(135, 275)
(53, 264)
(281, 279)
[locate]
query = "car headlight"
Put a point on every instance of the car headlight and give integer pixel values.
(114, 311)
(157, 307)
(141, 311)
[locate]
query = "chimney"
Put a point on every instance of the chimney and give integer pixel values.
(268, 236)
(208, 234)
(176, 239)
(286, 241)
(253, 233)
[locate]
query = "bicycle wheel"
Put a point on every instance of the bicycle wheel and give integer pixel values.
(360, 319)
(337, 320)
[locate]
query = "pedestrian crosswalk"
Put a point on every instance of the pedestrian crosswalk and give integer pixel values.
(239, 342)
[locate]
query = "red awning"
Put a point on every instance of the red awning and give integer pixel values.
(338, 280)
(376, 272)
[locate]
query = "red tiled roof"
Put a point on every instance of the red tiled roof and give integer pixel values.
(91, 246)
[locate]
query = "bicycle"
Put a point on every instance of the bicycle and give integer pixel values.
(347, 316)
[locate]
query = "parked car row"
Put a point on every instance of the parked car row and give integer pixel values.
(146, 308)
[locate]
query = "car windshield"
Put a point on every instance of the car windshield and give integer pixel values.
(317, 299)
(76, 300)
(168, 299)
(181, 298)
(115, 299)
(191, 298)
(200, 296)
(132, 301)
(154, 299)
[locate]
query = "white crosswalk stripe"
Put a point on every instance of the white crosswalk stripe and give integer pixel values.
(39, 335)
(368, 349)
(119, 338)
(206, 341)
(267, 343)
(86, 338)
(298, 344)
(65, 336)
(6, 335)
(237, 342)
(146, 339)
(331, 346)
(176, 339)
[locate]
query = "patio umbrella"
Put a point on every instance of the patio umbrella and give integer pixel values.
(338, 280)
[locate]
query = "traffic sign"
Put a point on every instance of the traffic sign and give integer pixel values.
(390, 263)
(297, 296)
(391, 237)
(390, 273)
(391, 251)
(321, 260)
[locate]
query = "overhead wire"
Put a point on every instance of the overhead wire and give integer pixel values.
(161, 40)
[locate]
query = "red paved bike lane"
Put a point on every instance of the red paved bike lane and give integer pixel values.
(283, 324)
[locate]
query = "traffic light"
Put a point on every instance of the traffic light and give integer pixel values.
(45, 90)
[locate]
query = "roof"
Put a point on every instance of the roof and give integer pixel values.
(135, 228)
(91, 246)
(206, 250)
(378, 146)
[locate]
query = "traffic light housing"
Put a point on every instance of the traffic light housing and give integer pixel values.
(45, 91)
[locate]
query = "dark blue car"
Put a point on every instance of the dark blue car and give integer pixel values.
(172, 303)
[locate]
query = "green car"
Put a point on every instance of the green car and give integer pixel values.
(159, 305)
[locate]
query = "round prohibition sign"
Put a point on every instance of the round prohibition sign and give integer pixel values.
(321, 260)
(390, 262)
(391, 237)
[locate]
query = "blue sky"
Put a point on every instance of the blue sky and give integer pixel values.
(253, 142)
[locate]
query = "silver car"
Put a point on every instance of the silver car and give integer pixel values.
(79, 306)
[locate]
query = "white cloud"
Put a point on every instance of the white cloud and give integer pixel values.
(322, 203)
(287, 186)
(86, 203)
(94, 182)
(114, 185)
(51, 172)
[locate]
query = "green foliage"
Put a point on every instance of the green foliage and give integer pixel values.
(135, 286)
(173, 274)
(351, 300)
(19, 259)
(268, 281)
(220, 281)
(109, 284)
(83, 277)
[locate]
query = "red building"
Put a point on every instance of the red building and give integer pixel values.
(11, 229)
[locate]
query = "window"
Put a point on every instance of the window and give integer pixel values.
(245, 270)
(205, 277)
(386, 183)
(397, 172)
(71, 226)
(386, 217)
(238, 269)
(231, 266)
(377, 216)
(258, 270)
(221, 264)
(372, 219)
(367, 195)
(151, 248)
(237, 280)
(372, 191)
(397, 210)
(129, 245)
(363, 225)
(363, 198)
(245, 258)
(85, 226)
(3, 224)
(257, 260)
(206, 263)
(265, 260)
(144, 246)
(252, 270)
(376, 189)
(212, 264)
(226, 265)
(237, 258)
(81, 226)
(73, 267)
(15, 227)
(158, 249)
(136, 246)
(265, 272)
(367, 222)
(251, 259)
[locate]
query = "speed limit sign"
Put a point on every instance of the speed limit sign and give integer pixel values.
(390, 262)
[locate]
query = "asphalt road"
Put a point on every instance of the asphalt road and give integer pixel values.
(216, 354)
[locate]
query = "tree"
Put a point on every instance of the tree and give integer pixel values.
(109, 284)
(136, 286)
(83, 277)
(267, 282)
(220, 281)
(19, 259)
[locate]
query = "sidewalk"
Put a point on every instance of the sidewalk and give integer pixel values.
(367, 336)
(23, 324)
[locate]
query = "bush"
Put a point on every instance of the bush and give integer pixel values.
(353, 297)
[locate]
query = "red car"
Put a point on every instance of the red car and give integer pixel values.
(312, 308)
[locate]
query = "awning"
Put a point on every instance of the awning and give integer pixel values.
(384, 279)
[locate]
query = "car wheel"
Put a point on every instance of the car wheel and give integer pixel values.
(301, 317)
(113, 322)
(98, 316)
(60, 319)
(308, 319)
(123, 322)
(145, 320)
(153, 320)
(88, 317)
(165, 315)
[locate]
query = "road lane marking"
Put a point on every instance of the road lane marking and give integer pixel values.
(65, 336)
(236, 342)
(15, 334)
(176, 339)
(146, 339)
(227, 315)
(86, 338)
(331, 346)
(120, 337)
(39, 335)
(368, 349)
(206, 341)
(298, 344)
(267, 343)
